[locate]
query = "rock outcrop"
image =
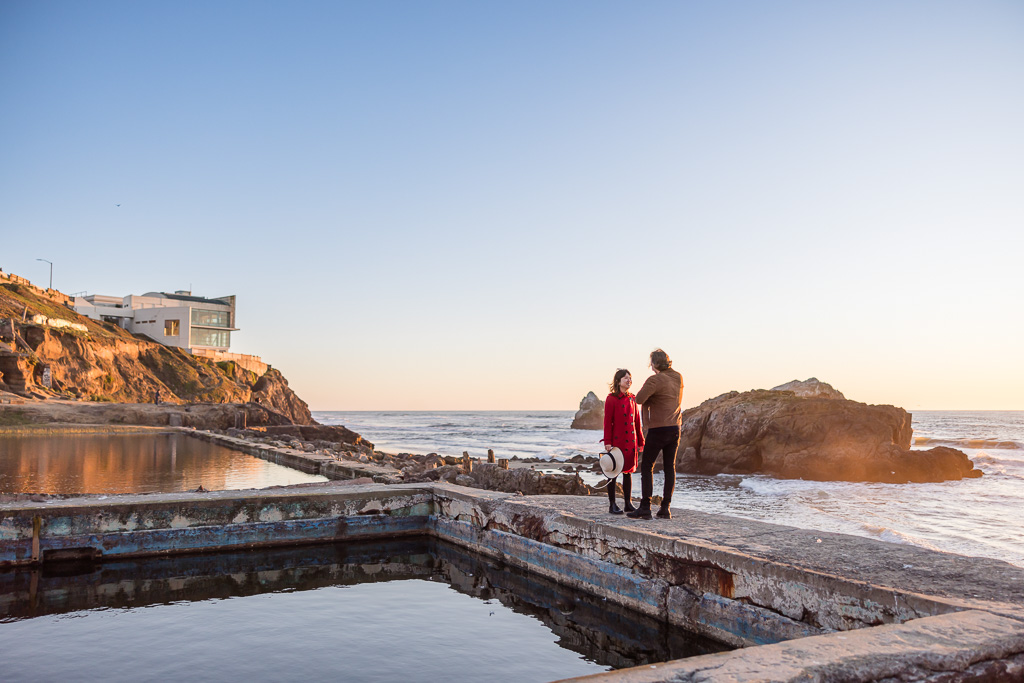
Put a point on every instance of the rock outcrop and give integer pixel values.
(591, 413)
(810, 388)
(493, 478)
(816, 435)
(106, 363)
(272, 390)
(316, 432)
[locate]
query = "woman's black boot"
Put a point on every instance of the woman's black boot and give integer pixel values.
(627, 493)
(612, 507)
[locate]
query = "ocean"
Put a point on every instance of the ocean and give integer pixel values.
(977, 517)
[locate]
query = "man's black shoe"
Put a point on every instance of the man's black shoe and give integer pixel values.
(664, 513)
(640, 513)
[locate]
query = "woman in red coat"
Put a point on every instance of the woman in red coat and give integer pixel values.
(622, 431)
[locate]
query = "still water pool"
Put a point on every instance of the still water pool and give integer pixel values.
(411, 610)
(132, 463)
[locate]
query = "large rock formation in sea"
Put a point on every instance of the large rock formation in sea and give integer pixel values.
(808, 430)
(591, 413)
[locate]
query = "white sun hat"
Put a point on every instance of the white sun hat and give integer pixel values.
(612, 463)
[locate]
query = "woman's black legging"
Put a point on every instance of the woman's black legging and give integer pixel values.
(627, 487)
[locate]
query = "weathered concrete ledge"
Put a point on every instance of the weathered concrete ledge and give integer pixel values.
(829, 607)
(311, 463)
(968, 646)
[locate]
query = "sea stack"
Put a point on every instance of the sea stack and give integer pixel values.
(591, 413)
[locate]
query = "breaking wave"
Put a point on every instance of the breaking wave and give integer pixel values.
(767, 486)
(967, 443)
(764, 487)
(892, 536)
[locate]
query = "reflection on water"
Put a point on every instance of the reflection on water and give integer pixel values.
(395, 611)
(131, 463)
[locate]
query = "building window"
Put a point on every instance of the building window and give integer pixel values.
(218, 338)
(172, 328)
(211, 318)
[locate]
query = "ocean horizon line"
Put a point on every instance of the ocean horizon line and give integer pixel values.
(448, 410)
(572, 410)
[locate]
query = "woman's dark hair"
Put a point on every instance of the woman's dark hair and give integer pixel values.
(660, 360)
(619, 374)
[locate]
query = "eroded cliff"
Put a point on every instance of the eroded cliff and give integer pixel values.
(100, 361)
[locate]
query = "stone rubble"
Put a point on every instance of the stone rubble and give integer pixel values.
(520, 477)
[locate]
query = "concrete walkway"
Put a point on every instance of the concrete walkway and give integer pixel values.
(966, 582)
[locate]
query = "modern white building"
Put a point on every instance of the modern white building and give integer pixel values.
(179, 319)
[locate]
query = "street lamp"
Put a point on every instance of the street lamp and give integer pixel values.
(51, 270)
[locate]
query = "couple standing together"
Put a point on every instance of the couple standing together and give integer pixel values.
(661, 397)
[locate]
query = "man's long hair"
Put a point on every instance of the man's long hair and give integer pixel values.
(660, 360)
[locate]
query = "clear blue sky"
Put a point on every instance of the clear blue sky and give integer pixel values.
(466, 205)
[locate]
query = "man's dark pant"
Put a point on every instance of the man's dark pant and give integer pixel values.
(663, 441)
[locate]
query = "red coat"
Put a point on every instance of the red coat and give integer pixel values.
(622, 427)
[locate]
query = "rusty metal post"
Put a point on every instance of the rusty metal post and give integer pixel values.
(490, 455)
(503, 463)
(467, 462)
(37, 523)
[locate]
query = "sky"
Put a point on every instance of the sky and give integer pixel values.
(441, 205)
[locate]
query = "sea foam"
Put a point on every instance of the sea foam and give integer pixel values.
(931, 442)
(766, 486)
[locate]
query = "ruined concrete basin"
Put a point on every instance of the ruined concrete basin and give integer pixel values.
(802, 605)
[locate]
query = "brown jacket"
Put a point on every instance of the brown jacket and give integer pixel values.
(661, 396)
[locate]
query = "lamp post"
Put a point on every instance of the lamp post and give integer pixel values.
(51, 270)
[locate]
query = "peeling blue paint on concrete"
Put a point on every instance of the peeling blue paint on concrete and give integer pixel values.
(679, 581)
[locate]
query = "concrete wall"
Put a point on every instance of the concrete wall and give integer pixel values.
(739, 582)
(132, 526)
(150, 321)
(135, 301)
(97, 311)
(16, 279)
(52, 294)
(251, 363)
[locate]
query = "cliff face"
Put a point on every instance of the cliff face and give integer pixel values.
(106, 363)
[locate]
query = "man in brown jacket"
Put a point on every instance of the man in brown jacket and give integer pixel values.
(661, 397)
